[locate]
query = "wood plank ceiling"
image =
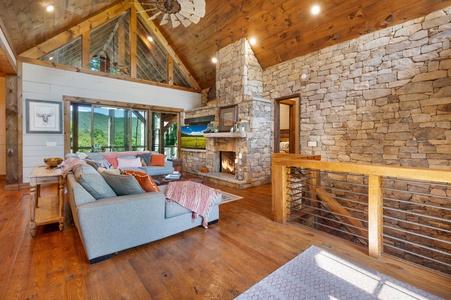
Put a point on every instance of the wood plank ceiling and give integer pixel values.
(284, 29)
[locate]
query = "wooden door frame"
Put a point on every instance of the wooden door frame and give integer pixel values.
(294, 102)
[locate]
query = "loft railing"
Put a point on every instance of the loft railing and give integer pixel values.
(401, 211)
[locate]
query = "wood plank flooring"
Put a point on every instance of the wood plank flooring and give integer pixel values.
(215, 263)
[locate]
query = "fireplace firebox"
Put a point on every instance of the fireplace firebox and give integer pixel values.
(227, 164)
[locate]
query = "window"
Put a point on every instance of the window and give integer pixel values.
(106, 128)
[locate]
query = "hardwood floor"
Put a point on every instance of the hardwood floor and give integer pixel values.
(215, 263)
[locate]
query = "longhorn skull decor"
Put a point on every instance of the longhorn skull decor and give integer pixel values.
(43, 116)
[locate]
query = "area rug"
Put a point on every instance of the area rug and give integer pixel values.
(227, 197)
(318, 274)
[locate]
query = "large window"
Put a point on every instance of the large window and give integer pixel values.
(105, 128)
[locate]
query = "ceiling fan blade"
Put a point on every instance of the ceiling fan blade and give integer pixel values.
(185, 21)
(195, 7)
(175, 21)
(165, 19)
(154, 16)
(193, 18)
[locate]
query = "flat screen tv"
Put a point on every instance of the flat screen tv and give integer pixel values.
(193, 136)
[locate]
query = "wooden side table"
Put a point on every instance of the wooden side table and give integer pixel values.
(48, 209)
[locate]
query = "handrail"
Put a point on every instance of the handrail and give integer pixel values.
(281, 163)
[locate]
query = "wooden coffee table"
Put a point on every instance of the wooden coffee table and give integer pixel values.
(185, 177)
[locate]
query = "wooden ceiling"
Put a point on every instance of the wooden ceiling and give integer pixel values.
(284, 29)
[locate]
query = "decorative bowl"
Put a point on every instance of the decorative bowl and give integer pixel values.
(53, 162)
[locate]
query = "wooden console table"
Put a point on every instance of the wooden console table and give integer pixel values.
(48, 209)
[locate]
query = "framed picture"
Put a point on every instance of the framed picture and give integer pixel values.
(227, 117)
(44, 116)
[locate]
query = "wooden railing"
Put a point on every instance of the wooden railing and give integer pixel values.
(377, 181)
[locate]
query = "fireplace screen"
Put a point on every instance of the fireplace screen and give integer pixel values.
(228, 162)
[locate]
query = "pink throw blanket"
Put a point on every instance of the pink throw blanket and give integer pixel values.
(194, 196)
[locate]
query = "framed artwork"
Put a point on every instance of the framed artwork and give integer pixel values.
(44, 116)
(227, 117)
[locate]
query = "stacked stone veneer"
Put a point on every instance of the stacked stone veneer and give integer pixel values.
(382, 98)
(239, 81)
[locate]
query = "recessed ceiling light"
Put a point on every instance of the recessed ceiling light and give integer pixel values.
(315, 10)
(214, 60)
(150, 39)
(50, 8)
(253, 41)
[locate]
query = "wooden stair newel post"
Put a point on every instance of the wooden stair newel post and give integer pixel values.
(279, 193)
(375, 217)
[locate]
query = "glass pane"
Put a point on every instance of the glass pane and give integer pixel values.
(156, 132)
(111, 129)
(179, 78)
(83, 143)
(110, 46)
(170, 135)
(69, 54)
(151, 55)
(139, 130)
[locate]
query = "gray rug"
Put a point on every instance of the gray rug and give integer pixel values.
(318, 274)
(227, 197)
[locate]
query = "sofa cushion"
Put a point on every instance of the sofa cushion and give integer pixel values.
(128, 163)
(93, 182)
(145, 158)
(153, 170)
(157, 160)
(122, 184)
(144, 180)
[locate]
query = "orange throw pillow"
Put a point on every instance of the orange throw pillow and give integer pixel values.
(157, 160)
(145, 180)
(112, 161)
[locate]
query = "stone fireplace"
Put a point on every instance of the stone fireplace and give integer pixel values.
(238, 82)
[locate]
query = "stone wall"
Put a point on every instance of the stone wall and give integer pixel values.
(193, 160)
(383, 98)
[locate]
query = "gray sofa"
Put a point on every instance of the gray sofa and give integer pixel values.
(95, 159)
(108, 223)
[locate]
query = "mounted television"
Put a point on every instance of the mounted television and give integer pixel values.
(193, 136)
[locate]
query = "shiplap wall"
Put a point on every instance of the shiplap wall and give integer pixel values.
(43, 83)
(2, 127)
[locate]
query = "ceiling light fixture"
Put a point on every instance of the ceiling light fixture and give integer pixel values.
(252, 41)
(50, 8)
(315, 9)
(214, 60)
(150, 39)
(179, 11)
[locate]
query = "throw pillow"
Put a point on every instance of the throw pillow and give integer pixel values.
(112, 161)
(157, 160)
(128, 163)
(145, 159)
(122, 184)
(93, 182)
(144, 180)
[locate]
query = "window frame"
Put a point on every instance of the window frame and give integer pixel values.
(150, 109)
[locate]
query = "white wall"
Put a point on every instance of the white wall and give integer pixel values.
(43, 83)
(2, 127)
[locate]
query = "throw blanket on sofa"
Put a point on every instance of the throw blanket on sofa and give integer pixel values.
(194, 196)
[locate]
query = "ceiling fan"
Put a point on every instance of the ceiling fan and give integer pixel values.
(178, 11)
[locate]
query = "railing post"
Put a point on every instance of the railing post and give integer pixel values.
(315, 182)
(279, 194)
(375, 217)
